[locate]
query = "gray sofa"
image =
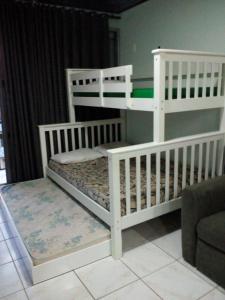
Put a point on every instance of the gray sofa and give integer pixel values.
(203, 228)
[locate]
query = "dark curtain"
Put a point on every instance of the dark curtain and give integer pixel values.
(37, 43)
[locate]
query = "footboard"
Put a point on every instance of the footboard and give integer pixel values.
(58, 138)
(188, 80)
(149, 178)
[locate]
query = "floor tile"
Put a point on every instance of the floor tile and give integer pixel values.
(2, 217)
(193, 269)
(170, 243)
(66, 286)
(105, 276)
(132, 239)
(133, 291)
(214, 295)
(23, 273)
(13, 249)
(1, 236)
(5, 257)
(17, 296)
(7, 233)
(10, 282)
(146, 259)
(176, 282)
(222, 290)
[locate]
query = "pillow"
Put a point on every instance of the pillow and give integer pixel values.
(104, 147)
(75, 156)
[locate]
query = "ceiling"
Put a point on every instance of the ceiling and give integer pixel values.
(110, 6)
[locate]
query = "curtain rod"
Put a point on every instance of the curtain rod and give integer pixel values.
(34, 2)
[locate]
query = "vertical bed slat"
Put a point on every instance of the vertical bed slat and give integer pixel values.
(179, 80)
(127, 182)
(184, 168)
(204, 80)
(212, 79)
(219, 80)
(188, 82)
(51, 142)
(116, 133)
(214, 158)
(105, 135)
(73, 138)
(158, 178)
(170, 81)
(59, 141)
(207, 161)
(196, 79)
(167, 187)
(66, 140)
(148, 179)
(86, 137)
(99, 134)
(92, 137)
(200, 163)
(79, 137)
(111, 132)
(192, 164)
(138, 183)
(175, 183)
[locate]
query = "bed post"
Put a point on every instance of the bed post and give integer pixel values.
(43, 149)
(115, 210)
(71, 107)
(159, 94)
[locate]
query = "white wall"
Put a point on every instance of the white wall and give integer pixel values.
(178, 24)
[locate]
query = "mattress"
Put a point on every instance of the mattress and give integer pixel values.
(91, 178)
(50, 223)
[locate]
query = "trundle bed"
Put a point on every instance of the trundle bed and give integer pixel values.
(127, 185)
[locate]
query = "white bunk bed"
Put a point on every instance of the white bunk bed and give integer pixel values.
(191, 159)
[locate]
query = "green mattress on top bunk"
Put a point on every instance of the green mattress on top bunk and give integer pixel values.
(148, 93)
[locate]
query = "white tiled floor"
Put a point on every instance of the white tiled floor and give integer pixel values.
(151, 268)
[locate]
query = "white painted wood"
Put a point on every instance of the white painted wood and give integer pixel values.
(148, 180)
(170, 81)
(179, 80)
(175, 182)
(80, 137)
(138, 183)
(184, 168)
(219, 80)
(127, 183)
(204, 80)
(200, 156)
(51, 142)
(214, 159)
(159, 96)
(158, 177)
(188, 81)
(59, 142)
(212, 79)
(115, 206)
(192, 164)
(196, 80)
(86, 137)
(207, 160)
(167, 180)
(66, 139)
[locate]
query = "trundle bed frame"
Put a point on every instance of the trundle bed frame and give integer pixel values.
(197, 78)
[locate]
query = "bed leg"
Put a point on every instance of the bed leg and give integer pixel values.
(116, 241)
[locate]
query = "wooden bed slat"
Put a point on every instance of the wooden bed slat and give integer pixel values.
(127, 182)
(138, 183)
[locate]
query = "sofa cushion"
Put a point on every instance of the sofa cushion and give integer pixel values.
(212, 230)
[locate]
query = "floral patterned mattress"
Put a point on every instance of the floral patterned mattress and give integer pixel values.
(91, 178)
(50, 223)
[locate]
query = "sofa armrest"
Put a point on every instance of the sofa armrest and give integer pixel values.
(199, 201)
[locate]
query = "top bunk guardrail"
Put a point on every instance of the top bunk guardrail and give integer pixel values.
(183, 81)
